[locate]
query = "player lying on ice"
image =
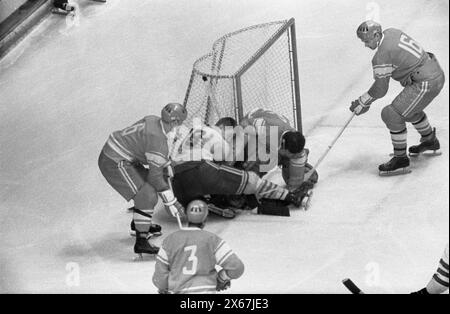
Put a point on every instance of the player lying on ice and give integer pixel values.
(271, 133)
(402, 58)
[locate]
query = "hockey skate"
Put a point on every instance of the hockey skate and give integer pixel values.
(396, 166)
(154, 231)
(431, 147)
(66, 10)
(142, 246)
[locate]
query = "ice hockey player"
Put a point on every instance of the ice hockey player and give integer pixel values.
(187, 260)
(402, 58)
(292, 155)
(201, 170)
(123, 161)
(439, 282)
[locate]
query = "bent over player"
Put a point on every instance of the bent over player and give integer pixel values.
(133, 161)
(187, 260)
(402, 58)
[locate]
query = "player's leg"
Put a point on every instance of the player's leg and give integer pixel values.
(129, 180)
(397, 128)
(416, 115)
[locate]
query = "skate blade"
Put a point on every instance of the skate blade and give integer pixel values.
(427, 153)
(153, 235)
(142, 257)
(397, 172)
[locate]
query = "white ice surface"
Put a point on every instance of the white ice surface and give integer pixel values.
(73, 81)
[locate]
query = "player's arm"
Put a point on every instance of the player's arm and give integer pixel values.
(157, 162)
(232, 266)
(382, 72)
(162, 268)
(296, 170)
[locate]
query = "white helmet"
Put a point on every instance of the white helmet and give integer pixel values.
(197, 211)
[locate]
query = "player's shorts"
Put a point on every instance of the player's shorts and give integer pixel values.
(416, 97)
(125, 177)
(195, 179)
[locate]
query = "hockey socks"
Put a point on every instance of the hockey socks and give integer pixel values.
(399, 142)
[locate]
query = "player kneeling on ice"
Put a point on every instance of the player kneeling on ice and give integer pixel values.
(187, 260)
(134, 162)
(402, 58)
(259, 126)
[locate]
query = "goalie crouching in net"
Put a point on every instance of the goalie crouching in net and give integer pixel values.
(291, 156)
(205, 178)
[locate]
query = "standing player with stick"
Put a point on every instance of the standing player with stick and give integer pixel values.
(402, 58)
(123, 162)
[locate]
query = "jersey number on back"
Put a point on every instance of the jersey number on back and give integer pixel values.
(410, 45)
(191, 269)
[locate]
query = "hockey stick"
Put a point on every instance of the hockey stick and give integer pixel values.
(310, 173)
(169, 181)
(350, 285)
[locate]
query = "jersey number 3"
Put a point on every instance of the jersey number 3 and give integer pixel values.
(192, 259)
(410, 45)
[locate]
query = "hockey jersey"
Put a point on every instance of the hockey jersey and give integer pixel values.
(262, 120)
(145, 142)
(397, 56)
(187, 259)
(205, 143)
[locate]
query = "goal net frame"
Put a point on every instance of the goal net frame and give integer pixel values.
(210, 69)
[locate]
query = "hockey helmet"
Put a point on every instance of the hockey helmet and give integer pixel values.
(367, 30)
(173, 112)
(197, 211)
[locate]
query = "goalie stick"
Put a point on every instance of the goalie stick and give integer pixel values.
(350, 285)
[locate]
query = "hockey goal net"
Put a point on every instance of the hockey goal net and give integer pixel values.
(255, 67)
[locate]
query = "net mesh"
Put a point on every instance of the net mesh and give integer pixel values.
(247, 69)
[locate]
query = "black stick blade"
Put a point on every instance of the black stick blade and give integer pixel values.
(351, 286)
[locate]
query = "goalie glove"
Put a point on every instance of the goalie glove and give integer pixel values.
(362, 104)
(223, 281)
(171, 203)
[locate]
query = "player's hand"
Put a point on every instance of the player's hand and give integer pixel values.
(358, 107)
(171, 203)
(223, 281)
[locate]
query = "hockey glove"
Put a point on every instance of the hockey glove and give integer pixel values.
(223, 281)
(171, 203)
(362, 104)
(358, 107)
